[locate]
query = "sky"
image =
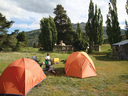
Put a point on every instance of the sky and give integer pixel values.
(28, 13)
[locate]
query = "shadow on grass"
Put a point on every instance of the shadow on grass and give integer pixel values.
(60, 72)
(106, 58)
(124, 76)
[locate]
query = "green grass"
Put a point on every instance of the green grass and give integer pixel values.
(105, 48)
(112, 79)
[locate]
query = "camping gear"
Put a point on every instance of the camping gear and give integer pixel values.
(55, 61)
(79, 64)
(20, 77)
(47, 62)
(35, 59)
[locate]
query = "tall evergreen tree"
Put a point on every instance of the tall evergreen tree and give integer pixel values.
(113, 29)
(54, 31)
(100, 28)
(48, 35)
(69, 25)
(95, 27)
(63, 25)
(89, 28)
(78, 31)
(60, 21)
(79, 43)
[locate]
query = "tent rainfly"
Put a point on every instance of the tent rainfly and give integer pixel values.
(20, 77)
(80, 65)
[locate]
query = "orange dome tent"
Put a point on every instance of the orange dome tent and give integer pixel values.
(79, 64)
(20, 77)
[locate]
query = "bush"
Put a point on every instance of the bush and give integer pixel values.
(6, 48)
(80, 44)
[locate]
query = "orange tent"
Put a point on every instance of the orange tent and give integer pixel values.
(79, 64)
(20, 77)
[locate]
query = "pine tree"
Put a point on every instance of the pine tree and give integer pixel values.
(69, 33)
(113, 29)
(60, 21)
(4, 24)
(69, 25)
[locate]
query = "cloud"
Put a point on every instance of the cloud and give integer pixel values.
(28, 13)
(38, 6)
(24, 25)
(8, 10)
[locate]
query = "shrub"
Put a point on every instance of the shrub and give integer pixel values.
(80, 44)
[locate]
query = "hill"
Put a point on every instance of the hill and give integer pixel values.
(33, 35)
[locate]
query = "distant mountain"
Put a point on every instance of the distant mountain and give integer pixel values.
(33, 35)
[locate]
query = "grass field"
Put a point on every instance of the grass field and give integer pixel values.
(112, 79)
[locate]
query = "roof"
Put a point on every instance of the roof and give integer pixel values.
(121, 43)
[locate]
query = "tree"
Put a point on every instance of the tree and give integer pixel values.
(126, 27)
(113, 29)
(80, 44)
(22, 37)
(60, 20)
(48, 35)
(100, 28)
(126, 7)
(97, 24)
(54, 31)
(69, 25)
(89, 28)
(34, 45)
(126, 31)
(96, 27)
(90, 24)
(69, 33)
(78, 31)
(16, 31)
(4, 24)
(10, 41)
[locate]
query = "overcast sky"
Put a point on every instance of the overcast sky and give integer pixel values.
(28, 13)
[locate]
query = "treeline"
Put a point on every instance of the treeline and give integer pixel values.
(53, 30)
(14, 41)
(93, 29)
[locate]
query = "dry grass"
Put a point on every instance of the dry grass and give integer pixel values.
(112, 79)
